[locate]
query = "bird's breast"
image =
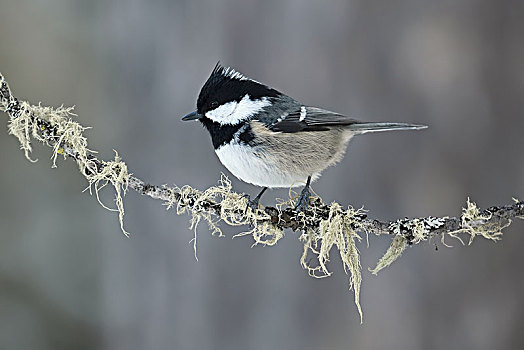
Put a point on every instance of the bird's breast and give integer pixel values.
(266, 158)
(253, 165)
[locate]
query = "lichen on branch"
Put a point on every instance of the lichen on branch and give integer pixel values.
(55, 128)
(324, 228)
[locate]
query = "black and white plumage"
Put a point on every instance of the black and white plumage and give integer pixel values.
(267, 138)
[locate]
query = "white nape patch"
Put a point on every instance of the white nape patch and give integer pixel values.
(247, 165)
(232, 113)
(303, 113)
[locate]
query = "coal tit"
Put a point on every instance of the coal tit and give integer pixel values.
(269, 139)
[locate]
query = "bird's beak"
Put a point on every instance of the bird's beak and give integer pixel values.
(192, 116)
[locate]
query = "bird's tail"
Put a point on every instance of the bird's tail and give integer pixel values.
(363, 128)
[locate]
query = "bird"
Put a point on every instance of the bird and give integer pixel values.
(267, 138)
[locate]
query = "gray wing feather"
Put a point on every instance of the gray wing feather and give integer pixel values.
(310, 119)
(317, 119)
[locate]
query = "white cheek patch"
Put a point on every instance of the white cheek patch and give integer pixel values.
(221, 113)
(234, 112)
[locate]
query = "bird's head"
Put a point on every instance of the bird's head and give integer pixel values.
(230, 98)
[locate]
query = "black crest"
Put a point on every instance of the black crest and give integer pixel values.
(226, 85)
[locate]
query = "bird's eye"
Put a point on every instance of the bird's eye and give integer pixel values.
(214, 104)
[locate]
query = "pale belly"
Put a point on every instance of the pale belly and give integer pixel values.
(252, 167)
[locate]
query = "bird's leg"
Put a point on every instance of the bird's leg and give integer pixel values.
(253, 203)
(303, 199)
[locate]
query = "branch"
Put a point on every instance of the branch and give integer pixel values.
(322, 226)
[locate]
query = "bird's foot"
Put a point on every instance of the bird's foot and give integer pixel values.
(303, 200)
(251, 203)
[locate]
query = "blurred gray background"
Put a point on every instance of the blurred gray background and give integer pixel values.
(69, 279)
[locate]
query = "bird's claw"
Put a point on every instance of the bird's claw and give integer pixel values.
(251, 203)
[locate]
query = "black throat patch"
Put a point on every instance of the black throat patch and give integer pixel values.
(224, 134)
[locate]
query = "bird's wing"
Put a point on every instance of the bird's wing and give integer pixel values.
(306, 118)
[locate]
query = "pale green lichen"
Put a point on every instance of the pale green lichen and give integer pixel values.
(418, 230)
(23, 129)
(264, 233)
(395, 250)
(476, 224)
(420, 233)
(452, 234)
(62, 132)
(472, 222)
(338, 230)
(190, 201)
(115, 173)
(234, 211)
